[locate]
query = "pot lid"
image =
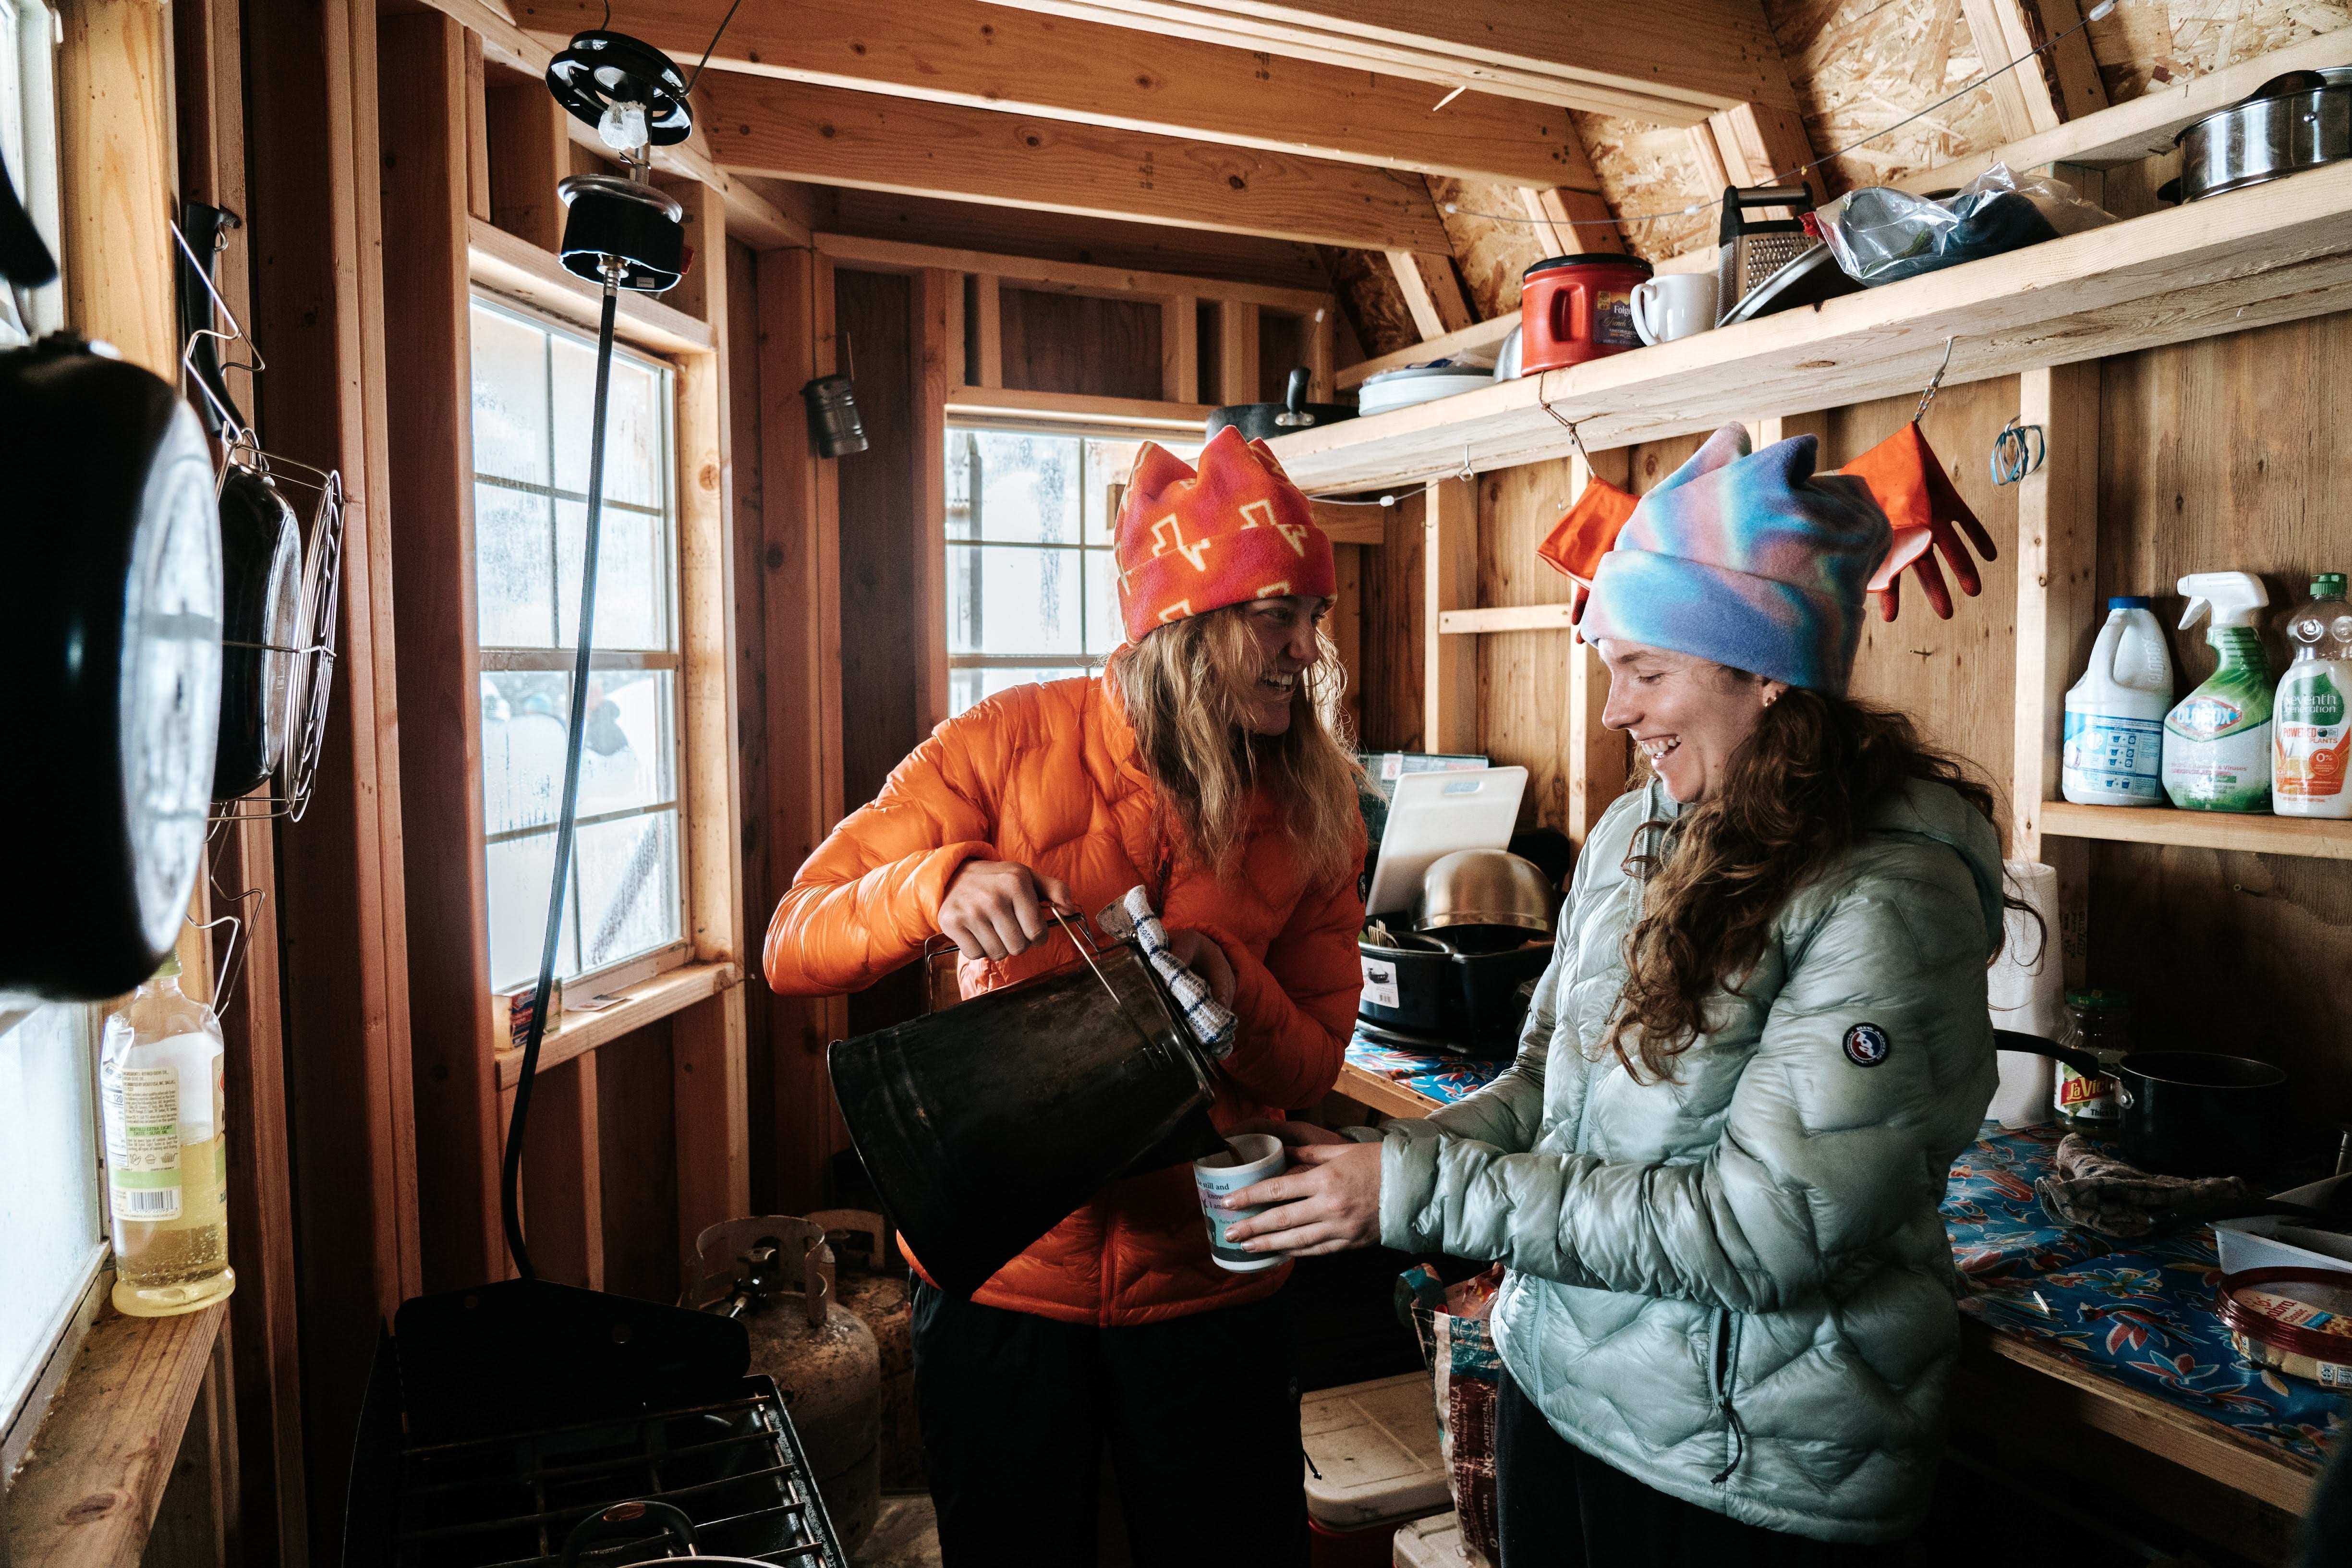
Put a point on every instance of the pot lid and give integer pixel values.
(1426, 372)
(1588, 258)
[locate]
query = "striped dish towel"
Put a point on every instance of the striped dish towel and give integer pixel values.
(1213, 1024)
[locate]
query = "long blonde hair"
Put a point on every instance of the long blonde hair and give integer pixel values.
(1183, 686)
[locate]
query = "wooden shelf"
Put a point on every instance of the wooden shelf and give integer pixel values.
(2256, 835)
(2276, 252)
(1064, 408)
(576, 1034)
(1507, 618)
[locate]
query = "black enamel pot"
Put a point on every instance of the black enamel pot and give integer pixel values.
(1264, 421)
(2185, 1113)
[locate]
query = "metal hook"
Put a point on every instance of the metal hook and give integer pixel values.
(1575, 439)
(2017, 451)
(236, 333)
(1468, 474)
(225, 972)
(1934, 382)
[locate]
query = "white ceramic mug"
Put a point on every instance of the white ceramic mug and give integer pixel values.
(1673, 305)
(1252, 1158)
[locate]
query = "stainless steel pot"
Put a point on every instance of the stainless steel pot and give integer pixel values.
(1484, 888)
(2299, 120)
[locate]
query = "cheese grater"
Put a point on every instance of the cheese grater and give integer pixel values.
(1752, 249)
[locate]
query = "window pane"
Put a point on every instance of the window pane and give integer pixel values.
(1021, 488)
(1013, 601)
(632, 577)
(625, 761)
(509, 397)
(966, 687)
(634, 455)
(514, 569)
(519, 870)
(50, 1226)
(628, 886)
(1104, 631)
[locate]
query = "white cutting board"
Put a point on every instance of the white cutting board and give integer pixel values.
(1433, 815)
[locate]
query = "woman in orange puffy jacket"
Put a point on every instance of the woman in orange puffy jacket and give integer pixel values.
(1208, 765)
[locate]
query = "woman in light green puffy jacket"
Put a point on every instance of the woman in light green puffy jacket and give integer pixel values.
(1713, 1171)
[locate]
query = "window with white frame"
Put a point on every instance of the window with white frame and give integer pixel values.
(29, 143)
(1033, 590)
(534, 385)
(52, 1229)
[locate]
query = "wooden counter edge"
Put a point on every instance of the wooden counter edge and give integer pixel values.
(88, 1492)
(1384, 1095)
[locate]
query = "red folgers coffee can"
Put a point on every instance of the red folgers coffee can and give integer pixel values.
(1576, 308)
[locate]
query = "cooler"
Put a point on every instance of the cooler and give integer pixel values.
(1372, 1464)
(1432, 1542)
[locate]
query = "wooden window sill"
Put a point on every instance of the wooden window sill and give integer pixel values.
(576, 1034)
(88, 1492)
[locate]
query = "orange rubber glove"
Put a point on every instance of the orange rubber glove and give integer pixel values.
(1919, 500)
(1579, 541)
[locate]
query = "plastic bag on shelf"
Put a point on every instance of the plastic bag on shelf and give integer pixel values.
(1880, 235)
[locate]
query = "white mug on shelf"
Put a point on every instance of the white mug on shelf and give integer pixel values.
(1673, 305)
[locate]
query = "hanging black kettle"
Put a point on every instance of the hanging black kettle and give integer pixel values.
(110, 626)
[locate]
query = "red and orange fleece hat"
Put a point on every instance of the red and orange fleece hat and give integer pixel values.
(1188, 542)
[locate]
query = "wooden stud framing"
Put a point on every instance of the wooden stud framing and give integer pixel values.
(713, 1116)
(935, 353)
(478, 131)
(832, 137)
(507, 264)
(1318, 332)
(1599, 758)
(801, 517)
(428, 375)
(988, 317)
(1432, 293)
(991, 57)
(1238, 353)
(527, 150)
(1758, 144)
(1449, 704)
(2022, 97)
(1179, 348)
(1045, 276)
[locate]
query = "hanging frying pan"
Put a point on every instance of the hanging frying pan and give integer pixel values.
(261, 603)
(110, 628)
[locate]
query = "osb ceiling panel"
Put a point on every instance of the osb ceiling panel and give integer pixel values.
(2150, 43)
(1646, 169)
(1859, 66)
(1493, 240)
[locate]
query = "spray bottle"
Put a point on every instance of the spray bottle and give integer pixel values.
(2217, 742)
(2312, 740)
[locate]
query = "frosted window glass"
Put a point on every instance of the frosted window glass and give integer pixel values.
(51, 1231)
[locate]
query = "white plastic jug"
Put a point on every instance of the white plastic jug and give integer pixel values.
(2115, 715)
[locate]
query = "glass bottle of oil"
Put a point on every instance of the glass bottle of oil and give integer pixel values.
(159, 1083)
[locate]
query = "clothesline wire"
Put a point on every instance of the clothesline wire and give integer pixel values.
(1697, 207)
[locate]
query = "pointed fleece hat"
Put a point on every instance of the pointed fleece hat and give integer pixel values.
(1191, 542)
(1751, 560)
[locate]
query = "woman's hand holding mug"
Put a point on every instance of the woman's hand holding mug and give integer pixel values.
(1328, 1201)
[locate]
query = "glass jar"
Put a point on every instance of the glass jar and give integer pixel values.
(2099, 1022)
(159, 1081)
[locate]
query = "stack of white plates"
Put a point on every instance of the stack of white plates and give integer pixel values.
(1419, 383)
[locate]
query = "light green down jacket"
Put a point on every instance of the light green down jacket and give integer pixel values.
(1735, 1286)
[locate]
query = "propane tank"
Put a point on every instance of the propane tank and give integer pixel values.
(774, 1273)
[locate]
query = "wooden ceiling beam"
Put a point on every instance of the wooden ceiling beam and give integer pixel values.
(979, 56)
(831, 136)
(1671, 62)
(1432, 293)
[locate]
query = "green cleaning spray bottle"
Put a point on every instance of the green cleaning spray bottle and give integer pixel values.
(2217, 740)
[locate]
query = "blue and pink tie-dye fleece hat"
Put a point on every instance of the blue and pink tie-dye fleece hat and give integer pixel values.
(1751, 560)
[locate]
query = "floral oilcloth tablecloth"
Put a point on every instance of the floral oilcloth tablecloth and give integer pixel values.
(2138, 1311)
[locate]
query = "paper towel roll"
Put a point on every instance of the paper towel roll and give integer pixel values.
(2027, 992)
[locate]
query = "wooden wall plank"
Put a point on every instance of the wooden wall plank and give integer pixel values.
(529, 149)
(1089, 346)
(1392, 643)
(1237, 367)
(318, 309)
(2057, 565)
(563, 1175)
(1180, 348)
(1345, 628)
(636, 1135)
(801, 595)
(116, 171)
(478, 131)
(748, 535)
(832, 137)
(935, 352)
(713, 1116)
(1449, 702)
(430, 409)
(988, 330)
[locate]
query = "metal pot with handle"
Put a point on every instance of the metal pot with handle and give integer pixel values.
(1264, 421)
(2185, 1113)
(2292, 122)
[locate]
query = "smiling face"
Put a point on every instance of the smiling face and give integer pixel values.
(1282, 632)
(1686, 714)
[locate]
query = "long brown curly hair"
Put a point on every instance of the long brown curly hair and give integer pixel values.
(1791, 801)
(1184, 687)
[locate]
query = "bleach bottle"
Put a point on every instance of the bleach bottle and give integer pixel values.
(2217, 743)
(2312, 743)
(2113, 752)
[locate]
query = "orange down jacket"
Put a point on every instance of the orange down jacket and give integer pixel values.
(1046, 775)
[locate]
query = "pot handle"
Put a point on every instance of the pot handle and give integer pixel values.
(629, 1517)
(2170, 191)
(2083, 1062)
